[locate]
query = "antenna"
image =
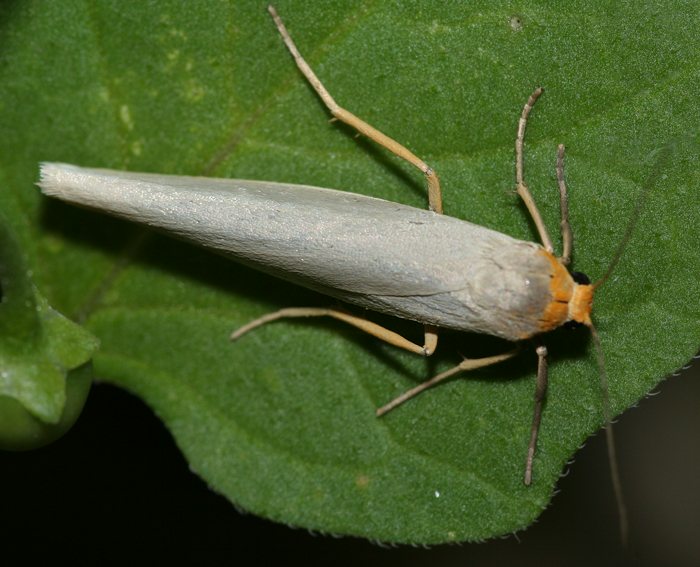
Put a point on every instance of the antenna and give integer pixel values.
(649, 183)
(655, 173)
(610, 439)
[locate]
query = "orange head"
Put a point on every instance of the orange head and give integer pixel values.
(571, 297)
(581, 301)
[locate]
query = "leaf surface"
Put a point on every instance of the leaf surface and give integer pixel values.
(282, 422)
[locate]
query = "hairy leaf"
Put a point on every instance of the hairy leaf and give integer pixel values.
(282, 422)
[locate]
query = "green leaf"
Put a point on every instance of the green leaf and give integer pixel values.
(38, 346)
(282, 422)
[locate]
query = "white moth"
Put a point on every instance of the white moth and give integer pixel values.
(408, 262)
(402, 261)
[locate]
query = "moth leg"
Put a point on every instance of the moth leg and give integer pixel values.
(567, 235)
(521, 187)
(540, 391)
(434, 192)
(430, 339)
(464, 366)
(363, 324)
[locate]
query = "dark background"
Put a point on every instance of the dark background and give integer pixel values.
(115, 490)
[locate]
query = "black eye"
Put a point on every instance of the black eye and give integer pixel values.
(580, 278)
